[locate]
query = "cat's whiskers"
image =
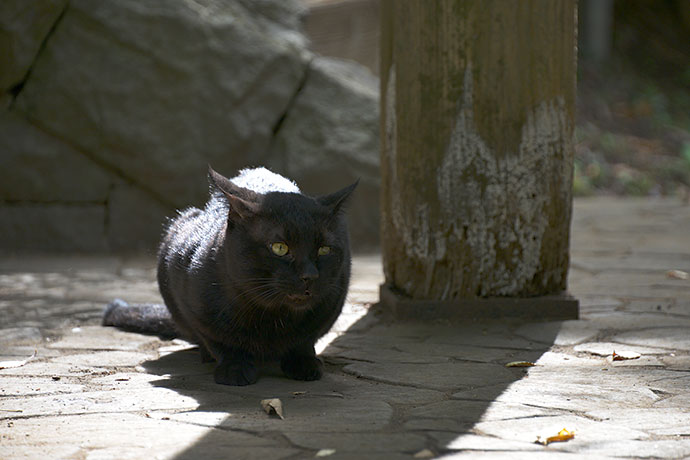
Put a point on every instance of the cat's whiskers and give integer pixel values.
(259, 284)
(254, 285)
(268, 297)
(263, 294)
(336, 288)
(250, 295)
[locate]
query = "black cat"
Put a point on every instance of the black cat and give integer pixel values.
(261, 272)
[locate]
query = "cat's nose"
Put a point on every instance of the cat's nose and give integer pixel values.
(310, 273)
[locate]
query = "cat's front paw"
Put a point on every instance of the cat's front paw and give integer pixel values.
(302, 367)
(235, 373)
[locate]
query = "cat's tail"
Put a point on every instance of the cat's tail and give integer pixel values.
(144, 318)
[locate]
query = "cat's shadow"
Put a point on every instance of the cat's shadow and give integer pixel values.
(426, 383)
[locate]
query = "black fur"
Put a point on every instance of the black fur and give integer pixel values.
(229, 292)
(145, 318)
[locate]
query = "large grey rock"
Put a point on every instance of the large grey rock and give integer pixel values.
(329, 139)
(37, 167)
(37, 228)
(135, 219)
(122, 105)
(158, 90)
(24, 25)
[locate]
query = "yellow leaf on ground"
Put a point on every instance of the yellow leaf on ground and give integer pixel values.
(624, 355)
(562, 436)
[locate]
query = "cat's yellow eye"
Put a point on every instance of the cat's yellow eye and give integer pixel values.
(279, 248)
(324, 250)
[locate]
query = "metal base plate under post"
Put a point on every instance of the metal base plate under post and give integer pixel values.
(542, 308)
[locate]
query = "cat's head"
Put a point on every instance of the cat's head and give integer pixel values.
(285, 249)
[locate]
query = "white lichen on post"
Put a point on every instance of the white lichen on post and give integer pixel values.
(477, 189)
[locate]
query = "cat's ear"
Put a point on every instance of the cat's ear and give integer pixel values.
(335, 201)
(243, 202)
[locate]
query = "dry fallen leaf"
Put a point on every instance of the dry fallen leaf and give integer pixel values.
(424, 453)
(678, 274)
(19, 363)
(624, 355)
(273, 406)
(520, 364)
(562, 436)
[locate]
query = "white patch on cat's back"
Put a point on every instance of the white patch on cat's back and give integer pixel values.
(261, 180)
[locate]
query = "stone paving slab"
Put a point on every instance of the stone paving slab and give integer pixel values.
(391, 391)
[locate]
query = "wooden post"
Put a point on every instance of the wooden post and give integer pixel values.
(477, 118)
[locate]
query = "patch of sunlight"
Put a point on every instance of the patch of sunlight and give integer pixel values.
(350, 315)
(367, 276)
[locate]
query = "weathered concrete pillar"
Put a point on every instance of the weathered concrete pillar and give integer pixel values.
(477, 118)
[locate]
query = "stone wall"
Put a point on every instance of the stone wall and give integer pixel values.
(110, 112)
(347, 29)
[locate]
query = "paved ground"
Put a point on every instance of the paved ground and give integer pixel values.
(391, 390)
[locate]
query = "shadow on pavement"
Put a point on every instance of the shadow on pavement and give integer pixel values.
(390, 390)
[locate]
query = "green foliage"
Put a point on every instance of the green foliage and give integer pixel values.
(685, 153)
(633, 127)
(582, 186)
(633, 182)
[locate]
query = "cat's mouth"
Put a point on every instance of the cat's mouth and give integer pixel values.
(299, 299)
